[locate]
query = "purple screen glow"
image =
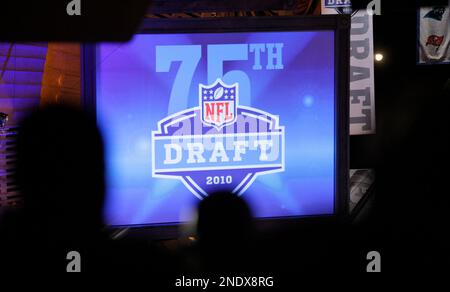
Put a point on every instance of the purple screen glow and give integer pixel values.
(185, 114)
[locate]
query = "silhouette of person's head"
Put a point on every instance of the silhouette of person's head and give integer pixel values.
(60, 171)
(224, 219)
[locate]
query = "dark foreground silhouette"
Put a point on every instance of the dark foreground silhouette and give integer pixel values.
(60, 172)
(225, 232)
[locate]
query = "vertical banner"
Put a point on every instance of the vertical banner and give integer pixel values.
(434, 35)
(362, 84)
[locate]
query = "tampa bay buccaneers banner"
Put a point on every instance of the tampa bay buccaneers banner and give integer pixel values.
(188, 114)
(434, 35)
(362, 87)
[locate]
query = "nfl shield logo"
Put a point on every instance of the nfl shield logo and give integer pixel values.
(218, 103)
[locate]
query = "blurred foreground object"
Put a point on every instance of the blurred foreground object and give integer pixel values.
(48, 20)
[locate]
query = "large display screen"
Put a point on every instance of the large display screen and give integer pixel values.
(184, 115)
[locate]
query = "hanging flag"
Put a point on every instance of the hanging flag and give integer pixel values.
(434, 35)
(362, 83)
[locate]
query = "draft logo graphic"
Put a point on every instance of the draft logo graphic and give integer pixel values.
(219, 144)
(341, 6)
(337, 3)
(218, 103)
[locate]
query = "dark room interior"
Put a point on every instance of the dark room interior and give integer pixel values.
(224, 144)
